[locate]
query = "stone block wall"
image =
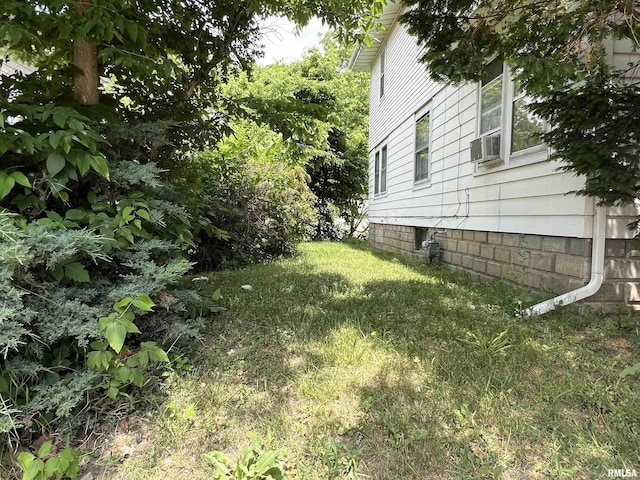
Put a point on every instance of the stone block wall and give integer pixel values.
(395, 238)
(551, 264)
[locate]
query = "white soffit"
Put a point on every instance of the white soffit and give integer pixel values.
(363, 56)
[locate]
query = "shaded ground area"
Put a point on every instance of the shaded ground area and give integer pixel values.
(362, 365)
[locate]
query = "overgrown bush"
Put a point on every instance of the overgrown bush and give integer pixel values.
(58, 276)
(260, 200)
(76, 240)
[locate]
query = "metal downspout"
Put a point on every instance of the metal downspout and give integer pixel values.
(597, 269)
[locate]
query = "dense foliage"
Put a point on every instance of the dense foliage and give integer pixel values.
(97, 219)
(330, 136)
(560, 52)
(250, 188)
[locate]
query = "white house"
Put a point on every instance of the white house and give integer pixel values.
(506, 214)
(7, 67)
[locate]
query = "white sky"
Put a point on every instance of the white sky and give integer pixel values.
(282, 44)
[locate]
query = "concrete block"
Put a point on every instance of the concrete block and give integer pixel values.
(467, 262)
(615, 248)
(479, 265)
(633, 248)
(512, 273)
(449, 244)
(580, 246)
(480, 237)
(575, 284)
(487, 251)
(407, 246)
(520, 257)
(531, 242)
(632, 292)
(557, 284)
(455, 233)
(511, 239)
(456, 259)
(555, 244)
(572, 266)
(474, 249)
(609, 292)
(613, 268)
(502, 254)
(543, 261)
(468, 234)
(463, 247)
(621, 268)
(446, 257)
(494, 238)
(408, 237)
(533, 280)
(494, 269)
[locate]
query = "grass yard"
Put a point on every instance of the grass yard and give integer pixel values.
(361, 365)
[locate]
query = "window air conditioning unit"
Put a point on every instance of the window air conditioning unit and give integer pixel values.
(484, 149)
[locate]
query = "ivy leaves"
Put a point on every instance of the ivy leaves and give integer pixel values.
(119, 323)
(9, 180)
(112, 357)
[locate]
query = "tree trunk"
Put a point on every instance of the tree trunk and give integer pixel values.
(85, 58)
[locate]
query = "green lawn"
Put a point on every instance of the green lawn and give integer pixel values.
(362, 365)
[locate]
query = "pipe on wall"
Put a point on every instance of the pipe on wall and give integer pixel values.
(597, 269)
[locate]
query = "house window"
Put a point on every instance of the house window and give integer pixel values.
(422, 148)
(503, 112)
(525, 126)
(383, 55)
(380, 171)
(491, 99)
(376, 178)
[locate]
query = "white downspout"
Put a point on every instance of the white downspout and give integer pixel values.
(597, 269)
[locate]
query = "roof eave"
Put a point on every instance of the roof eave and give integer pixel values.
(363, 55)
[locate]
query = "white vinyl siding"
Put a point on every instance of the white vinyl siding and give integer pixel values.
(523, 197)
(530, 198)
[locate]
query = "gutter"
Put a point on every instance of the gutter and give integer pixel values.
(597, 270)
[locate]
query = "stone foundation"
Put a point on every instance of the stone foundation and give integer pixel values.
(551, 264)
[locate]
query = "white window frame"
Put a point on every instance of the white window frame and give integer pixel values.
(380, 174)
(418, 117)
(534, 154)
(382, 71)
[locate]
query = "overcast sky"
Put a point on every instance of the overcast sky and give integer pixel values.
(282, 44)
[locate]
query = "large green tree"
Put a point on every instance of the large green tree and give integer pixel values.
(321, 111)
(557, 50)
